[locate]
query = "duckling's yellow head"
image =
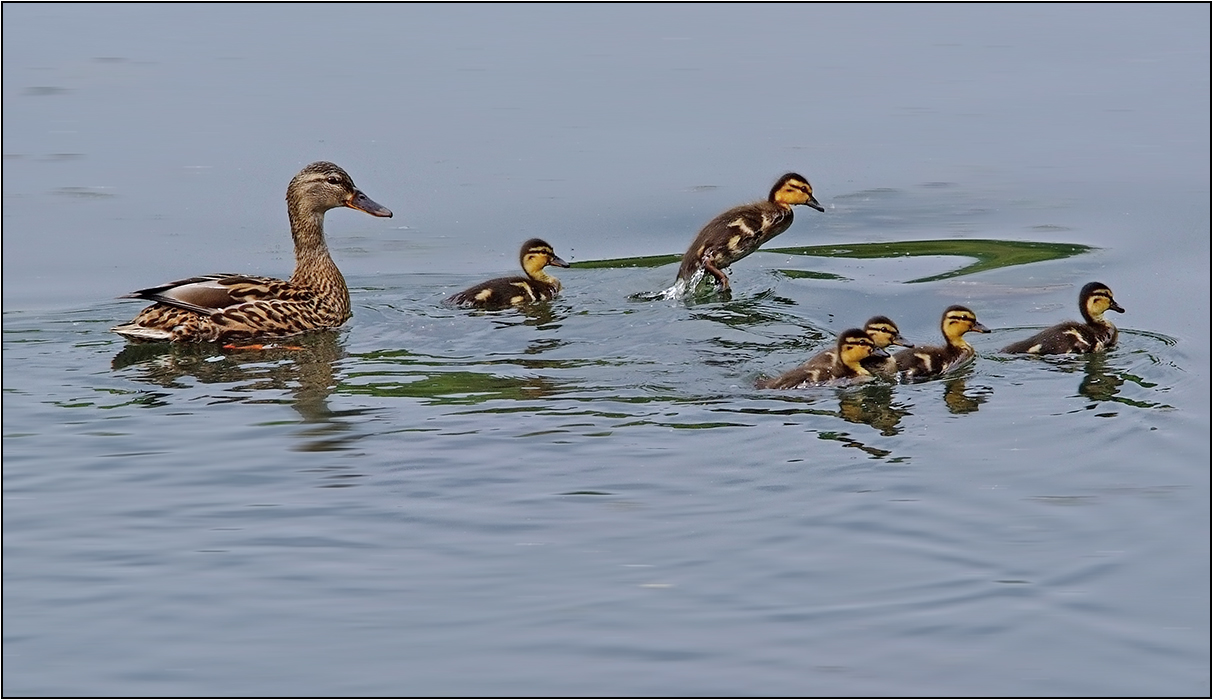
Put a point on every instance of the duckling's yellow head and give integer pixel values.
(536, 254)
(1095, 298)
(958, 320)
(322, 186)
(794, 189)
(854, 346)
(884, 332)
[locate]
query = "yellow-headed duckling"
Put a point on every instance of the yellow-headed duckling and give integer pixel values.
(504, 292)
(226, 306)
(845, 366)
(741, 230)
(1094, 335)
(883, 333)
(932, 361)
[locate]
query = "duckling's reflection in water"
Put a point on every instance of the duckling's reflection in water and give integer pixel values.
(305, 365)
(872, 404)
(1101, 379)
(1099, 382)
(538, 314)
(959, 400)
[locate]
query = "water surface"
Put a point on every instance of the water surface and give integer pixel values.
(590, 497)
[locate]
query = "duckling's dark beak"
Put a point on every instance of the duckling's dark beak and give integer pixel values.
(557, 262)
(361, 202)
(878, 352)
(1113, 306)
(902, 342)
(979, 328)
(815, 204)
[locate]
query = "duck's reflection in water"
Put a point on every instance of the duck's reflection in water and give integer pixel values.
(544, 315)
(305, 366)
(872, 404)
(868, 404)
(1099, 382)
(960, 399)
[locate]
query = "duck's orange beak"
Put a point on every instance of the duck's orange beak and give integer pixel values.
(361, 202)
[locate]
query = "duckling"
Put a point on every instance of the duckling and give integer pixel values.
(883, 333)
(919, 363)
(222, 307)
(741, 230)
(504, 292)
(1073, 337)
(846, 364)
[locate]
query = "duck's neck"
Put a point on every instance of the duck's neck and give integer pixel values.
(959, 342)
(311, 252)
(1093, 319)
(314, 267)
(845, 366)
(541, 276)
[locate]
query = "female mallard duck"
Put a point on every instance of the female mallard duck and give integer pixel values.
(919, 363)
(741, 230)
(1073, 337)
(883, 333)
(845, 366)
(504, 292)
(225, 306)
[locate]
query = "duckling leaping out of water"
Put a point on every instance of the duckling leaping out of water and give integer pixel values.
(741, 230)
(921, 363)
(504, 292)
(223, 307)
(846, 364)
(1094, 335)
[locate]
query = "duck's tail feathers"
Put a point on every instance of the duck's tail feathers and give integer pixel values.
(132, 331)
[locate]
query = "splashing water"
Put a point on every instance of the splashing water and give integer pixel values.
(678, 291)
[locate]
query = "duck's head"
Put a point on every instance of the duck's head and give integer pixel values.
(1094, 299)
(854, 346)
(958, 320)
(322, 186)
(536, 254)
(794, 189)
(884, 332)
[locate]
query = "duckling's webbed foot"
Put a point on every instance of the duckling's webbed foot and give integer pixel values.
(722, 278)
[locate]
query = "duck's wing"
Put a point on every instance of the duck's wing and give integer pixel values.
(733, 235)
(812, 370)
(1068, 337)
(504, 292)
(208, 294)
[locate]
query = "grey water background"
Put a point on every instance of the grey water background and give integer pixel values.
(591, 497)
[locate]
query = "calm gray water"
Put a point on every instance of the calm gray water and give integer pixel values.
(591, 497)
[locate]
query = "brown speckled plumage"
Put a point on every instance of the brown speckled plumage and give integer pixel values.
(741, 230)
(504, 292)
(1093, 335)
(840, 366)
(932, 361)
(883, 333)
(225, 306)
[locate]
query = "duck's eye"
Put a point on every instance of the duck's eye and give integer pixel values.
(334, 179)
